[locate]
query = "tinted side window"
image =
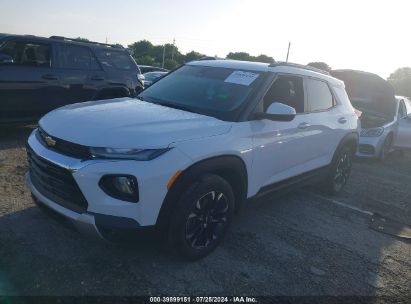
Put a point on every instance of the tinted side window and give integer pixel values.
(319, 95)
(36, 55)
(288, 90)
(341, 95)
(27, 53)
(402, 110)
(9, 48)
(75, 57)
(408, 106)
(116, 59)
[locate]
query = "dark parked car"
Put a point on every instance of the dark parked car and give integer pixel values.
(148, 68)
(151, 77)
(39, 74)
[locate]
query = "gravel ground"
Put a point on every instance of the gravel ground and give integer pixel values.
(300, 243)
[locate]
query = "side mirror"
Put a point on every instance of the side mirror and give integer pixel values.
(5, 59)
(277, 111)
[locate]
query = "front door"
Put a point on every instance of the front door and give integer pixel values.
(282, 149)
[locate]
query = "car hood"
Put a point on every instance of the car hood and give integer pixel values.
(368, 92)
(128, 123)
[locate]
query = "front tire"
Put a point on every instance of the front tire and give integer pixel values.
(202, 217)
(386, 148)
(340, 171)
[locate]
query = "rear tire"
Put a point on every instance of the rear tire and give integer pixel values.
(340, 171)
(202, 217)
(386, 148)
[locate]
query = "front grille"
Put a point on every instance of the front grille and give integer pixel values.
(63, 146)
(55, 183)
(366, 149)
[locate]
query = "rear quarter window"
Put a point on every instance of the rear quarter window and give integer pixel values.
(319, 95)
(341, 95)
(116, 59)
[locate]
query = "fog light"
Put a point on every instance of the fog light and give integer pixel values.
(122, 187)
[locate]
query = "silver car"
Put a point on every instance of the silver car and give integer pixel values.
(381, 135)
(385, 118)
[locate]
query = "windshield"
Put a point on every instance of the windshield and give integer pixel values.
(206, 90)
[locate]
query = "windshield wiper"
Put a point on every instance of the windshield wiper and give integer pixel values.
(141, 98)
(176, 106)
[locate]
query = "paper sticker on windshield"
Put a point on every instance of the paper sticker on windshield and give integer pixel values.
(243, 78)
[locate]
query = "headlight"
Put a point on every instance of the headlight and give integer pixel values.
(141, 78)
(132, 154)
(374, 132)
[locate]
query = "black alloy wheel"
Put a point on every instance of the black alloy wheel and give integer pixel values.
(386, 148)
(342, 169)
(205, 224)
(201, 217)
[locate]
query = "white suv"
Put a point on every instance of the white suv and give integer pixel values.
(189, 151)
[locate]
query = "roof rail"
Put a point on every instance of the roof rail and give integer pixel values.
(85, 41)
(296, 65)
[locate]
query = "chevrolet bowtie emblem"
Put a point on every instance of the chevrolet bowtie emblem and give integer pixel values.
(50, 141)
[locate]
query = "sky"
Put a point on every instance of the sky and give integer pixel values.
(367, 35)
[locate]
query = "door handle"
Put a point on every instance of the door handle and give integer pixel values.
(304, 125)
(342, 120)
(49, 77)
(96, 77)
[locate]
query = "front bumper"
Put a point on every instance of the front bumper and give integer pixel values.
(370, 147)
(84, 222)
(102, 209)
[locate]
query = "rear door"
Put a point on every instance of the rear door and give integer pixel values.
(403, 138)
(76, 64)
(328, 121)
(28, 83)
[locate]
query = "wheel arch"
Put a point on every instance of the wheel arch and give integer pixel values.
(230, 167)
(350, 140)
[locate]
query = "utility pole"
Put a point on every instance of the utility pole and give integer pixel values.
(164, 55)
(172, 52)
(288, 52)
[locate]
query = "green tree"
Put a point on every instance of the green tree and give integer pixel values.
(264, 58)
(247, 57)
(239, 56)
(141, 48)
(170, 64)
(172, 52)
(145, 60)
(193, 55)
(400, 79)
(320, 65)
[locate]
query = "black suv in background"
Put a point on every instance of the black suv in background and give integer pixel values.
(39, 74)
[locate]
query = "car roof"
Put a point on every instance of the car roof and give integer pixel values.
(278, 67)
(2, 35)
(61, 39)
